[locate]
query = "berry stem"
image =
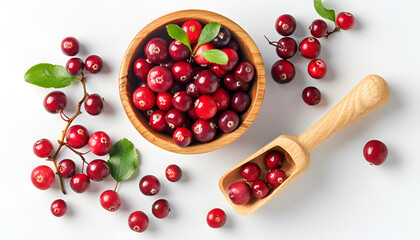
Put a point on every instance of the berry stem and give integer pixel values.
(63, 115)
(74, 150)
(116, 185)
(274, 43)
(336, 29)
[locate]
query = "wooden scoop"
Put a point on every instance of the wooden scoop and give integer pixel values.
(368, 95)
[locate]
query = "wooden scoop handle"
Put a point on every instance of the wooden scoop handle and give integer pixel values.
(368, 95)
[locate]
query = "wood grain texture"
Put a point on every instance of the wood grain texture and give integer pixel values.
(127, 83)
(368, 95)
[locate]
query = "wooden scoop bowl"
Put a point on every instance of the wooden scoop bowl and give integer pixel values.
(368, 95)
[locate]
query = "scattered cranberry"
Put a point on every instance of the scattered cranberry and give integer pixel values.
(239, 193)
(222, 39)
(285, 24)
(274, 159)
(58, 208)
(205, 107)
(93, 64)
(182, 136)
(199, 59)
(228, 121)
(79, 183)
(216, 218)
(240, 101)
(375, 152)
(318, 28)
(193, 29)
(231, 83)
(138, 221)
(149, 185)
(216, 69)
(283, 71)
(141, 68)
(182, 72)
(207, 82)
(317, 68)
(55, 101)
(222, 98)
(250, 172)
(42, 177)
(75, 66)
(310, 47)
(156, 50)
(286, 47)
(244, 72)
(70, 46)
(182, 101)
(159, 79)
(311, 95)
(94, 104)
(233, 59)
(178, 50)
(276, 177)
(173, 173)
(345, 20)
(144, 98)
(164, 101)
(157, 120)
(43, 148)
(66, 168)
(77, 136)
(260, 189)
(174, 118)
(203, 130)
(110, 200)
(160, 208)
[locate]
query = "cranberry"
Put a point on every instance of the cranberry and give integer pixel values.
(286, 47)
(222, 98)
(148, 113)
(70, 46)
(283, 71)
(245, 87)
(75, 66)
(192, 90)
(192, 114)
(66, 168)
(239, 193)
(138, 221)
(159, 79)
(141, 68)
(231, 83)
(164, 101)
(216, 69)
(178, 50)
(93, 64)
(310, 47)
(228, 121)
(110, 200)
(207, 82)
(176, 87)
(240, 101)
(182, 101)
(311, 95)
(79, 183)
(318, 28)
(205, 107)
(142, 84)
(160, 208)
(156, 50)
(345, 20)
(203, 130)
(260, 189)
(58, 208)
(182, 136)
(157, 120)
(149, 185)
(233, 44)
(182, 72)
(244, 72)
(168, 64)
(97, 170)
(188, 121)
(77, 136)
(174, 118)
(250, 172)
(317, 68)
(216, 218)
(276, 177)
(233, 59)
(42, 177)
(94, 104)
(197, 70)
(193, 29)
(274, 159)
(375, 152)
(199, 59)
(222, 39)
(173, 173)
(43, 148)
(55, 101)
(285, 24)
(99, 143)
(143, 98)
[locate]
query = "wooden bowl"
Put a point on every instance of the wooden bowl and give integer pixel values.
(128, 82)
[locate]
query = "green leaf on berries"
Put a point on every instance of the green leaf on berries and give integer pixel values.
(215, 56)
(208, 33)
(123, 160)
(179, 34)
(47, 75)
(323, 12)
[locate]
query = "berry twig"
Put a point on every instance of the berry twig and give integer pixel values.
(336, 29)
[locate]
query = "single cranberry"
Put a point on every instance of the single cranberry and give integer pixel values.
(159, 79)
(99, 143)
(276, 177)
(231, 83)
(345, 20)
(216, 218)
(110, 200)
(311, 95)
(182, 136)
(176, 87)
(207, 82)
(157, 120)
(188, 121)
(240, 101)
(375, 152)
(182, 101)
(148, 113)
(222, 98)
(174, 118)
(75, 66)
(160, 208)
(318, 28)
(222, 39)
(193, 29)
(245, 87)
(173, 173)
(156, 50)
(197, 70)
(97, 170)
(43, 148)
(244, 72)
(168, 64)
(77, 136)
(274, 159)
(93, 64)
(58, 208)
(178, 50)
(250, 172)
(286, 47)
(205, 107)
(70, 46)
(203, 130)
(192, 90)
(149, 185)
(141, 68)
(283, 71)
(285, 24)
(198, 58)
(239, 193)
(164, 101)
(233, 44)
(79, 183)
(260, 189)
(66, 168)
(42, 177)
(228, 121)
(233, 59)
(216, 69)
(182, 72)
(55, 101)
(192, 114)
(144, 98)
(94, 104)
(310, 47)
(138, 221)
(317, 68)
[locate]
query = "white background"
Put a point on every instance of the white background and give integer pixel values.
(340, 197)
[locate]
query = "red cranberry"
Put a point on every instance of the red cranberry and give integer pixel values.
(94, 104)
(318, 28)
(93, 64)
(207, 82)
(231, 83)
(173, 173)
(228, 121)
(250, 172)
(285, 24)
(192, 114)
(156, 50)
(141, 68)
(149, 185)
(99, 143)
(70, 46)
(216, 69)
(375, 152)
(222, 39)
(182, 72)
(240, 101)
(310, 47)
(317, 68)
(43, 148)
(176, 87)
(345, 20)
(205, 107)
(182, 101)
(77, 136)
(203, 130)
(174, 118)
(245, 87)
(244, 72)
(188, 121)
(97, 170)
(168, 64)
(75, 66)
(283, 71)
(55, 101)
(197, 70)
(164, 101)
(42, 177)
(58, 208)
(311, 95)
(157, 120)
(159, 79)
(148, 113)
(274, 159)
(66, 168)
(199, 59)
(216, 218)
(142, 84)
(138, 221)
(233, 44)
(182, 136)
(260, 189)
(144, 98)
(276, 177)
(193, 29)
(110, 200)
(79, 183)
(192, 90)
(233, 59)
(286, 47)
(178, 50)
(222, 98)
(160, 208)
(239, 193)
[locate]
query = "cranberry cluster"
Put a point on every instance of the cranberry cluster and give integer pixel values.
(240, 192)
(186, 95)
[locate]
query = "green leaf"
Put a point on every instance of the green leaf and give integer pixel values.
(215, 56)
(179, 34)
(47, 75)
(208, 33)
(323, 12)
(123, 160)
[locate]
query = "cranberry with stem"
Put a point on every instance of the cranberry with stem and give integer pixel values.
(159, 79)
(310, 47)
(317, 68)
(205, 107)
(77, 136)
(173, 173)
(216, 218)
(283, 71)
(110, 200)
(70, 46)
(286, 47)
(156, 50)
(58, 208)
(42, 177)
(250, 172)
(318, 28)
(75, 66)
(93, 64)
(149, 185)
(311, 95)
(138, 221)
(160, 208)
(55, 101)
(94, 104)
(228, 121)
(285, 24)
(182, 136)
(375, 152)
(239, 193)
(66, 168)
(203, 130)
(276, 177)
(43, 148)
(193, 29)
(79, 183)
(178, 50)
(274, 159)
(141, 68)
(260, 189)
(345, 20)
